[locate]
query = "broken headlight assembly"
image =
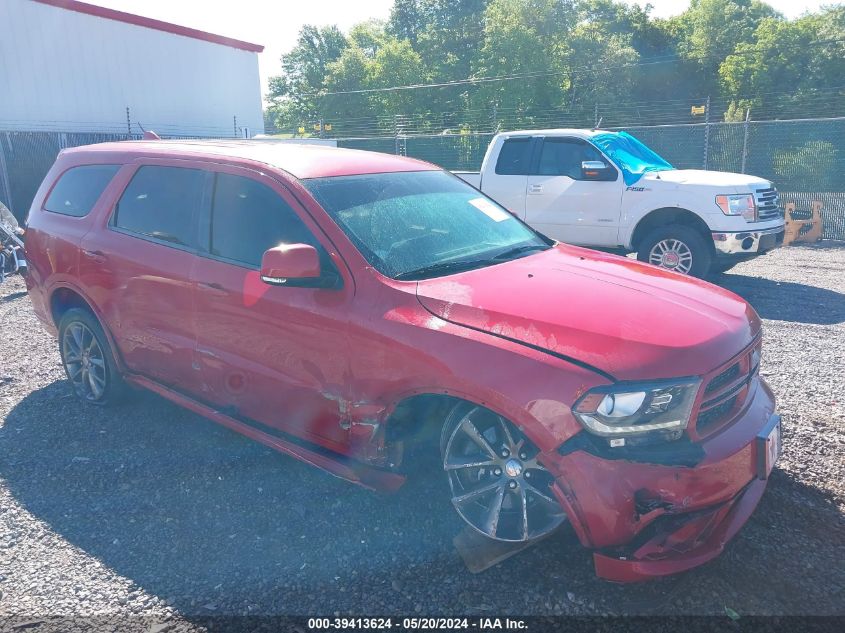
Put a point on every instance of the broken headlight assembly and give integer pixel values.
(636, 413)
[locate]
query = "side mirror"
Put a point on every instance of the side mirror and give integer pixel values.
(290, 262)
(595, 170)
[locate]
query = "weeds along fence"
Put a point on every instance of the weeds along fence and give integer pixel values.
(805, 158)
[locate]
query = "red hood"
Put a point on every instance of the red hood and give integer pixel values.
(628, 319)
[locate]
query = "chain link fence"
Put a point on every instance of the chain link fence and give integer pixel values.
(805, 158)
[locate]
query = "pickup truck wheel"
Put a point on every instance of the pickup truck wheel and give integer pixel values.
(87, 359)
(498, 486)
(678, 248)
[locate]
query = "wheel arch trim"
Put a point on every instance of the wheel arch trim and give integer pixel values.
(67, 286)
(643, 225)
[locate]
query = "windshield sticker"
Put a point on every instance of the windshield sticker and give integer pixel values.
(490, 210)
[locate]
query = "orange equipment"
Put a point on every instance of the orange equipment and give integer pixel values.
(803, 230)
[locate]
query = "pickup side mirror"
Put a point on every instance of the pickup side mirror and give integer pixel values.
(597, 170)
(288, 263)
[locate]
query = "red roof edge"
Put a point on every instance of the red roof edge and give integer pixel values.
(150, 23)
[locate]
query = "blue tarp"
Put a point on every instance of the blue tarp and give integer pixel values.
(630, 155)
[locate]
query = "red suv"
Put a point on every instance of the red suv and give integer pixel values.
(340, 306)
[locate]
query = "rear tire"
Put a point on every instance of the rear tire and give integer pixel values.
(676, 247)
(88, 359)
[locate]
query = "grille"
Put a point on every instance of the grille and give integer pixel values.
(710, 417)
(767, 204)
(723, 379)
(725, 392)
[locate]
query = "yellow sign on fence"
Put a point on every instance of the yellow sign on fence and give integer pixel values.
(696, 110)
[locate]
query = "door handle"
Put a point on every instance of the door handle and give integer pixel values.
(211, 285)
(535, 189)
(97, 256)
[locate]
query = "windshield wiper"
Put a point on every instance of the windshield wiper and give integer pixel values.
(443, 268)
(516, 250)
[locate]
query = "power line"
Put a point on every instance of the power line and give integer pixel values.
(665, 59)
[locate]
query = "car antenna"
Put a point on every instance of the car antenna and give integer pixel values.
(598, 124)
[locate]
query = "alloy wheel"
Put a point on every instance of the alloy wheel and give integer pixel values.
(498, 486)
(671, 254)
(84, 361)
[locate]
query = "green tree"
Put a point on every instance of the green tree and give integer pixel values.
(566, 56)
(788, 63)
(397, 64)
(304, 71)
(352, 71)
(618, 29)
(710, 30)
(525, 37)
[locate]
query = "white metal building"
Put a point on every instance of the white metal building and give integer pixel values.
(70, 66)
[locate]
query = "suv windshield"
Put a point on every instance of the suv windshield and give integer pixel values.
(416, 225)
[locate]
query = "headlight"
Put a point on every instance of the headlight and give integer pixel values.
(635, 409)
(741, 204)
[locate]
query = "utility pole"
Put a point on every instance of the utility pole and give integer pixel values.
(745, 139)
(706, 130)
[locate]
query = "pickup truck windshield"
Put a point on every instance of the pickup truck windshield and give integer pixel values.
(422, 224)
(630, 155)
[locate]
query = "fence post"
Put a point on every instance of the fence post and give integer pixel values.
(495, 118)
(5, 186)
(745, 139)
(235, 126)
(596, 116)
(706, 130)
(128, 125)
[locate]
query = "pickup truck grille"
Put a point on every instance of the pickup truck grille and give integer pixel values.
(724, 392)
(767, 204)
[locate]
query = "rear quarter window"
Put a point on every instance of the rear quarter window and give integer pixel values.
(514, 157)
(78, 189)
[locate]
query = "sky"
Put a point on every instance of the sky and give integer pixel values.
(275, 23)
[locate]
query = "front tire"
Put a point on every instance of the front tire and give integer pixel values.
(88, 360)
(678, 248)
(498, 486)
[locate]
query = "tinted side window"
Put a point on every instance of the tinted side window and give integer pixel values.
(514, 157)
(247, 218)
(162, 202)
(79, 188)
(563, 157)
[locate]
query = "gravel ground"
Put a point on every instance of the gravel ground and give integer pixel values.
(149, 510)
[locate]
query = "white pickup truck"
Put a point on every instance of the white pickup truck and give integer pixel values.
(608, 190)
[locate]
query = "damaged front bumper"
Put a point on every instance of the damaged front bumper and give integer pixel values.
(680, 544)
(747, 242)
(646, 520)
